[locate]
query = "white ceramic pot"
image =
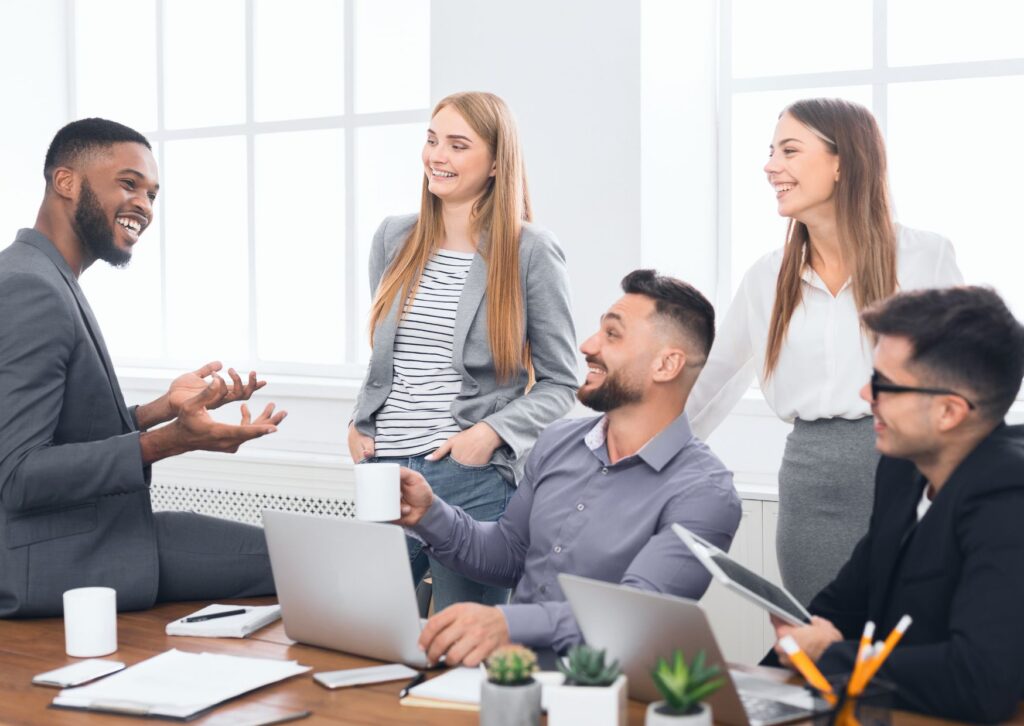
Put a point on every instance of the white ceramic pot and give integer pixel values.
(701, 718)
(509, 705)
(592, 705)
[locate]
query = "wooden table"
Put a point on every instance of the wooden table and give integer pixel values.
(28, 647)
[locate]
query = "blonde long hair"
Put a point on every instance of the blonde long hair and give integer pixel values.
(867, 234)
(498, 215)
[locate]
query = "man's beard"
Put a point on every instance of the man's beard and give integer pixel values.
(95, 231)
(614, 393)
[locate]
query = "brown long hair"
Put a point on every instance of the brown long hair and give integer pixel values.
(498, 214)
(867, 234)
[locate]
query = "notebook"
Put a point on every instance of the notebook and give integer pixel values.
(177, 685)
(459, 689)
(233, 626)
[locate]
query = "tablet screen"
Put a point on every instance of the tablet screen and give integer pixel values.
(758, 585)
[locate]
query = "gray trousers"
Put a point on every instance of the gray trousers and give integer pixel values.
(207, 558)
(826, 489)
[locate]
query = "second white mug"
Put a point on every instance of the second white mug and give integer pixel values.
(378, 492)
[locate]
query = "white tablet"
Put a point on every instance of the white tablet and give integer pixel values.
(739, 579)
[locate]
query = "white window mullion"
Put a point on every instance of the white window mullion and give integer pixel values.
(723, 286)
(353, 327)
(880, 61)
(161, 160)
(250, 161)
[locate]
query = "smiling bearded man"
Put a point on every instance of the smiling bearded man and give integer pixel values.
(74, 459)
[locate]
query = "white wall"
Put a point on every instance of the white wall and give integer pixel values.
(33, 86)
(570, 71)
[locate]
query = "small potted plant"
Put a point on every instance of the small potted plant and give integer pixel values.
(509, 696)
(683, 688)
(593, 692)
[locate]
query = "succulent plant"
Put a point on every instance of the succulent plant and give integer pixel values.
(587, 667)
(511, 665)
(684, 687)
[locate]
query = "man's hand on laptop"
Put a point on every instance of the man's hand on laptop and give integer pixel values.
(465, 633)
(417, 496)
(813, 639)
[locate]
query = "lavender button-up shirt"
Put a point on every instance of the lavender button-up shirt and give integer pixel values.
(576, 512)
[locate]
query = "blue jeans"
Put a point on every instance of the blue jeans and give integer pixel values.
(482, 493)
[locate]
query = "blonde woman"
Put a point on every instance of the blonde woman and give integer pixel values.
(794, 324)
(473, 339)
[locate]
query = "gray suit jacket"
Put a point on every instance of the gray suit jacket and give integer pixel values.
(74, 495)
(517, 418)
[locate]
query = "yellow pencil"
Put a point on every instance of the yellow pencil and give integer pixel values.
(862, 654)
(876, 661)
(805, 665)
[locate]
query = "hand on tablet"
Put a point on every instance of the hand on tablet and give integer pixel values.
(813, 639)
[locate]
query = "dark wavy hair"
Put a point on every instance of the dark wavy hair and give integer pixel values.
(964, 338)
(680, 302)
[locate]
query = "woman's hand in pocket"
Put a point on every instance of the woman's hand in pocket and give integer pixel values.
(473, 447)
(360, 446)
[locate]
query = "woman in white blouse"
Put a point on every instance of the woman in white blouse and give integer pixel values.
(794, 324)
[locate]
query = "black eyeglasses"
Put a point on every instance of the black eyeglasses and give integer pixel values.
(880, 386)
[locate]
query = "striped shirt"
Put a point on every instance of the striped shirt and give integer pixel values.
(416, 417)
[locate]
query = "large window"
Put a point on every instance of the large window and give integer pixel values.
(285, 130)
(945, 80)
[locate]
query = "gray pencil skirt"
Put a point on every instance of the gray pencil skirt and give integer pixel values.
(826, 488)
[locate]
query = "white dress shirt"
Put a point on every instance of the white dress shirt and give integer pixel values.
(825, 359)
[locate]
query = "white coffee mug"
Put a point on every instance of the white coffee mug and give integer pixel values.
(90, 621)
(378, 492)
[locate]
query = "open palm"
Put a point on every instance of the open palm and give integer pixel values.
(188, 385)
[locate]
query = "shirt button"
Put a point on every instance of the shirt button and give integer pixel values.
(543, 589)
(604, 470)
(580, 507)
(558, 548)
(375, 384)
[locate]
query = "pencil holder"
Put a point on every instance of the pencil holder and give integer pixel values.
(873, 707)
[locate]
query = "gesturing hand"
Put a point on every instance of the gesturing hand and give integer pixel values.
(465, 633)
(190, 384)
(195, 429)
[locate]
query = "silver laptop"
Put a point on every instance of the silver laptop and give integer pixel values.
(638, 627)
(346, 585)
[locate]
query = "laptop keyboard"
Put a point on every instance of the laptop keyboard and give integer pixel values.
(765, 710)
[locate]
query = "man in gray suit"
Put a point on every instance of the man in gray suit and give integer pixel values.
(74, 460)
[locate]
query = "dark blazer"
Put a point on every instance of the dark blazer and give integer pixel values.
(959, 574)
(74, 495)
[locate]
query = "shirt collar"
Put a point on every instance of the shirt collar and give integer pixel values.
(812, 278)
(657, 452)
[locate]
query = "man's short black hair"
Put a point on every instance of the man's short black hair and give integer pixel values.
(678, 301)
(85, 135)
(963, 337)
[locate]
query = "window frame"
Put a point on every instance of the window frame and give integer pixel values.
(350, 122)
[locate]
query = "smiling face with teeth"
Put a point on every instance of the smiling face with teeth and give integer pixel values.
(620, 355)
(458, 164)
(802, 170)
(116, 188)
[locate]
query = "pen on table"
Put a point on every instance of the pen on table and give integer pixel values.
(420, 677)
(805, 665)
(286, 718)
(876, 662)
(863, 652)
(212, 616)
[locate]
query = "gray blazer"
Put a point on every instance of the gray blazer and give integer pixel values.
(74, 495)
(516, 416)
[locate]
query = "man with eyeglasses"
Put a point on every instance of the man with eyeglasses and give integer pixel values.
(946, 539)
